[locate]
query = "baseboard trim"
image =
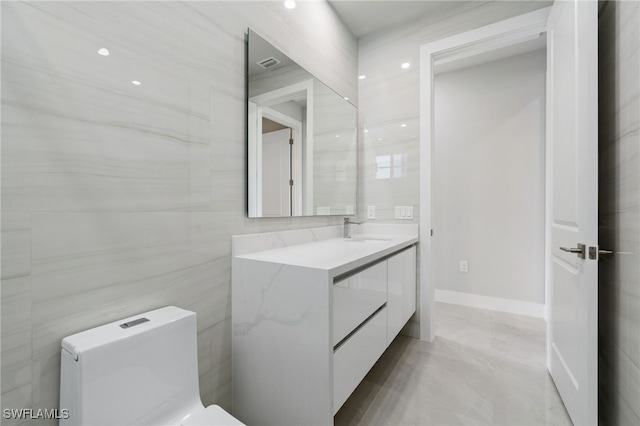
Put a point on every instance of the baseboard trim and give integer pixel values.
(518, 307)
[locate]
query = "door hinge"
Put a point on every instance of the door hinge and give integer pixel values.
(291, 141)
(432, 232)
(290, 182)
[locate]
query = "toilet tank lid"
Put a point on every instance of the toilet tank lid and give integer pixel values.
(122, 329)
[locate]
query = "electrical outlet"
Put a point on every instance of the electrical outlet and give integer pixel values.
(324, 211)
(464, 266)
(349, 210)
(371, 212)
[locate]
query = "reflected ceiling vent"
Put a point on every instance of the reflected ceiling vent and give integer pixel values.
(268, 63)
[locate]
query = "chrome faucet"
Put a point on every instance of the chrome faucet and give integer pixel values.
(347, 228)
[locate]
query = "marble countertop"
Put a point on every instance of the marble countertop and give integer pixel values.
(336, 255)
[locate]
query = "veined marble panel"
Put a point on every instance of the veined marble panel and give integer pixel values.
(16, 312)
(279, 331)
(334, 151)
(84, 276)
(78, 135)
(389, 96)
(16, 245)
(251, 243)
(126, 196)
(135, 262)
(619, 209)
(371, 228)
(16, 343)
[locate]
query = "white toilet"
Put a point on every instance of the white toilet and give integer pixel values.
(142, 370)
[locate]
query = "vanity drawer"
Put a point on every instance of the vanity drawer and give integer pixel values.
(356, 298)
(353, 359)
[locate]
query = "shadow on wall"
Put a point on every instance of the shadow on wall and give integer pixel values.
(619, 180)
(608, 299)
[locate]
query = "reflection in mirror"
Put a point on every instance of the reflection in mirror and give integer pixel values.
(301, 140)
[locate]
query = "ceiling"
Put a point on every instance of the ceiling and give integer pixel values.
(365, 17)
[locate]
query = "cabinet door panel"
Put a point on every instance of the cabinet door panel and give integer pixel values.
(353, 359)
(401, 298)
(356, 298)
(395, 297)
(409, 285)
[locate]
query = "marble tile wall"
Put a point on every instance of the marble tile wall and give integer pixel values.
(120, 198)
(335, 162)
(389, 97)
(389, 102)
(619, 199)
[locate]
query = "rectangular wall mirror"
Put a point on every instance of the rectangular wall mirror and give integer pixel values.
(302, 139)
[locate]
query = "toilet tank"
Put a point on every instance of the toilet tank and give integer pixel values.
(142, 370)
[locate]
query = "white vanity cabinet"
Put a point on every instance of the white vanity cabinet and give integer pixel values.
(369, 310)
(356, 298)
(401, 291)
(359, 327)
(309, 320)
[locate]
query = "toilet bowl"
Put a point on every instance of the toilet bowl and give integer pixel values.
(142, 370)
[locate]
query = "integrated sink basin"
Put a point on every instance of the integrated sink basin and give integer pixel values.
(335, 255)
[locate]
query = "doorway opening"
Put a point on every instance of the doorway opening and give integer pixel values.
(489, 179)
(469, 48)
(280, 168)
(571, 197)
(287, 172)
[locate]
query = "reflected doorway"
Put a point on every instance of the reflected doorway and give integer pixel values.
(278, 180)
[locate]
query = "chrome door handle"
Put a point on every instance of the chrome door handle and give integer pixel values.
(580, 250)
(597, 253)
(571, 250)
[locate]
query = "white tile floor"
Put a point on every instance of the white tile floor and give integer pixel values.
(484, 368)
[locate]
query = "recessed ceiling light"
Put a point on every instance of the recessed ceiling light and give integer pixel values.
(362, 77)
(346, 99)
(290, 4)
(136, 83)
(403, 125)
(405, 65)
(337, 136)
(103, 51)
(366, 130)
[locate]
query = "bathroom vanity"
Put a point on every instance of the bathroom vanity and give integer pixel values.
(311, 314)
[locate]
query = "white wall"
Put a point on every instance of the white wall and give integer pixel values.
(489, 178)
(117, 199)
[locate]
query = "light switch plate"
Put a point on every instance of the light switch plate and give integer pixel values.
(464, 266)
(349, 210)
(324, 211)
(371, 212)
(404, 212)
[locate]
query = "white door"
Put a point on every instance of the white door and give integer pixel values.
(276, 172)
(573, 136)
